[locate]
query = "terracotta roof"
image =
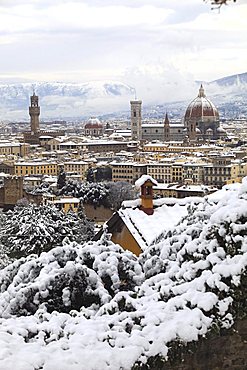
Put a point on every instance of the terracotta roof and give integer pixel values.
(201, 108)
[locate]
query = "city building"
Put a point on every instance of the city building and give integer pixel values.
(201, 119)
(127, 171)
(76, 168)
(66, 204)
(36, 168)
(136, 119)
(217, 173)
(33, 136)
(182, 191)
(93, 127)
(8, 148)
(200, 123)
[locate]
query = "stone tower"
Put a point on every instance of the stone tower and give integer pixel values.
(166, 128)
(136, 119)
(34, 112)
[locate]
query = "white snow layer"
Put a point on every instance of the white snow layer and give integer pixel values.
(177, 299)
(143, 179)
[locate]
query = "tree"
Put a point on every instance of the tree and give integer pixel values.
(90, 174)
(103, 174)
(43, 188)
(118, 192)
(61, 179)
(35, 229)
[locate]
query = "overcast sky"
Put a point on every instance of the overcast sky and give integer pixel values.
(125, 40)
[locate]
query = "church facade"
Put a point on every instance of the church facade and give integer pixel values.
(200, 123)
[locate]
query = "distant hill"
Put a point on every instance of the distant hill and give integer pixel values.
(234, 80)
(111, 99)
(63, 100)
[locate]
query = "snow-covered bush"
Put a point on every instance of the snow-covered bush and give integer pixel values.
(43, 188)
(34, 229)
(195, 284)
(68, 278)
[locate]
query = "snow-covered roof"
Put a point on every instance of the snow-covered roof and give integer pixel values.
(65, 143)
(75, 162)
(66, 200)
(143, 179)
(10, 144)
(146, 228)
(188, 187)
(35, 163)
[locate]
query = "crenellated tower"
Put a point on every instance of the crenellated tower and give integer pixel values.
(34, 112)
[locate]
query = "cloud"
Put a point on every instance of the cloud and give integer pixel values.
(160, 83)
(77, 16)
(154, 43)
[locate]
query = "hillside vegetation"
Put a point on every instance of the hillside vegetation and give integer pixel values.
(95, 306)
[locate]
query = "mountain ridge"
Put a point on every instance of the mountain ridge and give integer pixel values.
(72, 100)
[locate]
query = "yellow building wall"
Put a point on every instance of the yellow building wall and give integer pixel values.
(126, 240)
(35, 169)
(234, 180)
(70, 206)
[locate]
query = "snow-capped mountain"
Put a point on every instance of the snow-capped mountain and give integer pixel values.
(71, 100)
(229, 94)
(63, 100)
(234, 80)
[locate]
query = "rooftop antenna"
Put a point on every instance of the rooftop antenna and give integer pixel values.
(33, 87)
(135, 93)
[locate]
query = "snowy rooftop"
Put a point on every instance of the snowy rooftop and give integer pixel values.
(35, 163)
(143, 179)
(68, 200)
(200, 188)
(145, 228)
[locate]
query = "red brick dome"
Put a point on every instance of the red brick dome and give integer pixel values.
(201, 108)
(93, 123)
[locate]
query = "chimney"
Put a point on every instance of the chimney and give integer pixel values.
(145, 184)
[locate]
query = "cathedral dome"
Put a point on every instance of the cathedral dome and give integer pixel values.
(201, 108)
(93, 123)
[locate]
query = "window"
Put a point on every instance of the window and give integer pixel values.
(148, 190)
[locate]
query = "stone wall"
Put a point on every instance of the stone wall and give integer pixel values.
(226, 351)
(97, 214)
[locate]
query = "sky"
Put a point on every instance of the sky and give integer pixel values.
(144, 43)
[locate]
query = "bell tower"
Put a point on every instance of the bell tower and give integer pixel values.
(34, 112)
(136, 119)
(166, 128)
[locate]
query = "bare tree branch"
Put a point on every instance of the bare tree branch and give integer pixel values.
(216, 4)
